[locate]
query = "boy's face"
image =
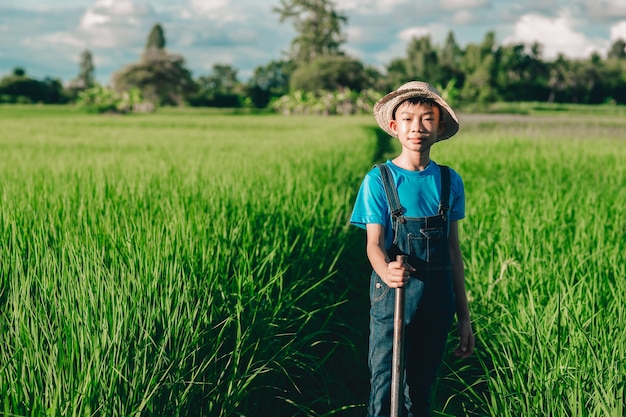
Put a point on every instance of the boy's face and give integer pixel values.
(417, 126)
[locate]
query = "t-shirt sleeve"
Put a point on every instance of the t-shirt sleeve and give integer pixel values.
(371, 204)
(457, 195)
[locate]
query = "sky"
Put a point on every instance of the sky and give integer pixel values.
(46, 37)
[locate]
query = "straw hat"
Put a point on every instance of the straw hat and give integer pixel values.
(384, 108)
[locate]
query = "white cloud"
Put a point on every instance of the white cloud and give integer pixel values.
(120, 7)
(556, 35)
(382, 58)
(606, 8)
(115, 23)
(114, 12)
(91, 19)
(463, 4)
(618, 31)
(354, 4)
(414, 32)
(219, 11)
(436, 31)
(369, 7)
(105, 12)
(357, 34)
(59, 39)
(208, 7)
(462, 17)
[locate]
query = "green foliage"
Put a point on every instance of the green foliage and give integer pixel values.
(450, 93)
(161, 77)
(344, 102)
(486, 73)
(329, 72)
(618, 49)
(221, 88)
(269, 82)
(526, 75)
(99, 99)
(19, 88)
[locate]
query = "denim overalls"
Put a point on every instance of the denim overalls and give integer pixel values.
(429, 305)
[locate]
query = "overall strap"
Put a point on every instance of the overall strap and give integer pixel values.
(391, 191)
(444, 204)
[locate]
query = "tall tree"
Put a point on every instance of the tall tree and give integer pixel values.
(480, 66)
(560, 79)
(512, 75)
(590, 83)
(318, 26)
(86, 75)
(450, 56)
(451, 53)
(614, 80)
(422, 60)
(161, 77)
(85, 78)
(319, 63)
(156, 38)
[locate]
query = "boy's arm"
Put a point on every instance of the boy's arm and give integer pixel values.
(393, 273)
(466, 335)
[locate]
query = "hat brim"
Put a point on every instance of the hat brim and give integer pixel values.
(384, 108)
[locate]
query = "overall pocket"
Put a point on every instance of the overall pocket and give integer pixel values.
(428, 244)
(382, 300)
(378, 289)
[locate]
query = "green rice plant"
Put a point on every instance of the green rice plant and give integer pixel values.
(543, 241)
(196, 262)
(170, 265)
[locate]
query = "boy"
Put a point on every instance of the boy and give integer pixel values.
(410, 206)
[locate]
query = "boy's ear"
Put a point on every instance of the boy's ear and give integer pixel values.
(393, 125)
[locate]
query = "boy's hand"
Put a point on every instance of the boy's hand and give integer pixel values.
(398, 272)
(466, 339)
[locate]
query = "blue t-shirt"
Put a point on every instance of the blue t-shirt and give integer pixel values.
(419, 193)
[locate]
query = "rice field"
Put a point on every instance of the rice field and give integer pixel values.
(200, 263)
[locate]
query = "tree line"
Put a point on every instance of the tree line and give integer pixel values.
(316, 69)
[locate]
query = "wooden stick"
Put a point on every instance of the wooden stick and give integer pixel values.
(397, 359)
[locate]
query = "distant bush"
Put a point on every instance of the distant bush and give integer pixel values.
(18, 88)
(101, 99)
(344, 102)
